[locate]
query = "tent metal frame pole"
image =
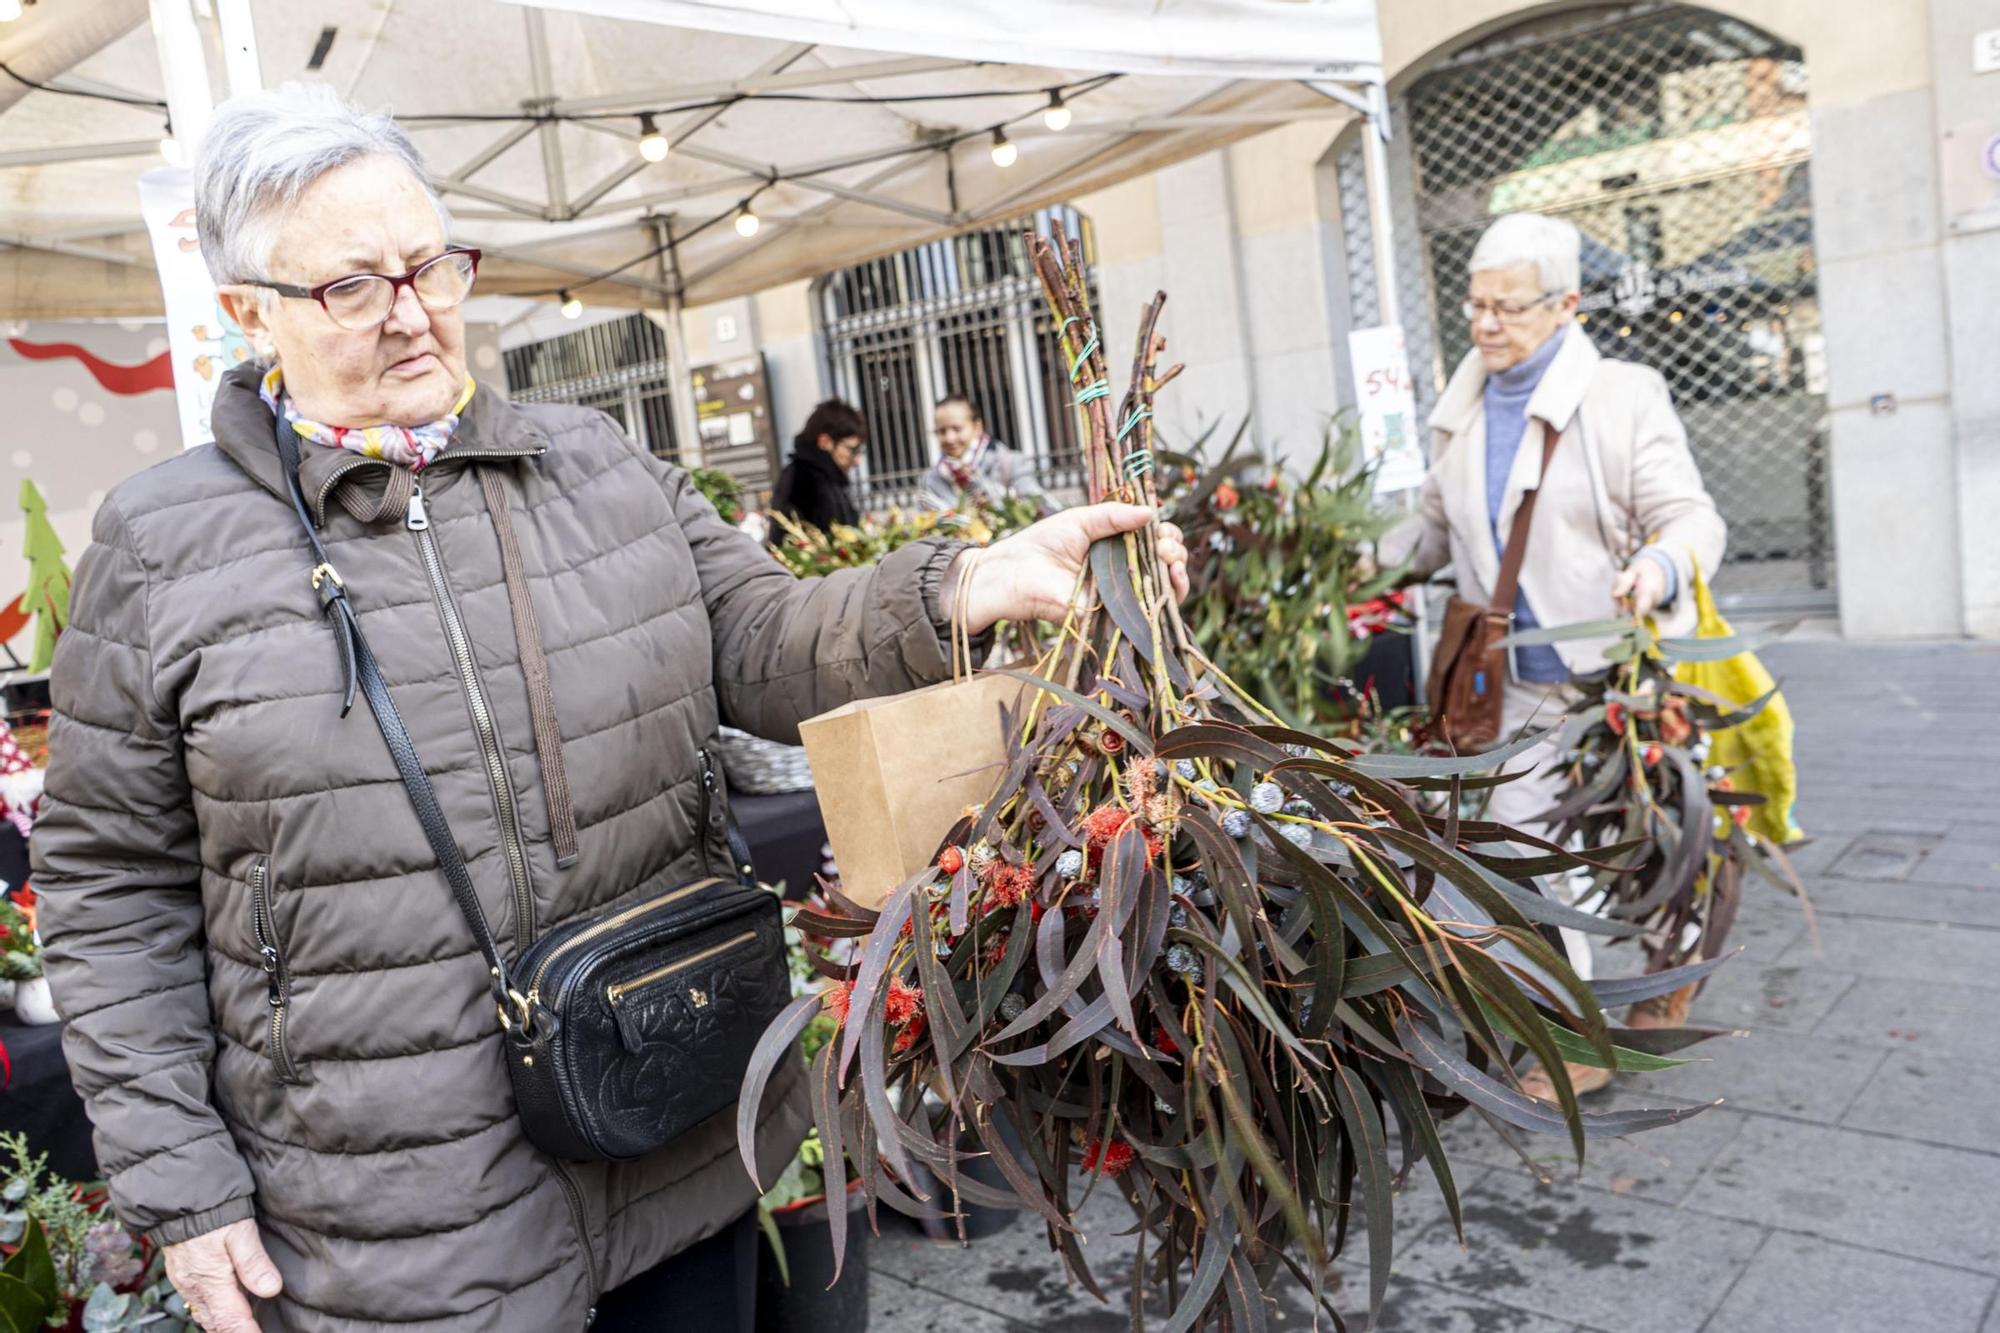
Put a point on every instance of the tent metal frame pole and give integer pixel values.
(680, 375)
(1388, 305)
(183, 68)
(1375, 159)
(239, 46)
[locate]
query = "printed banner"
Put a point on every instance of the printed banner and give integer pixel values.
(203, 341)
(1388, 407)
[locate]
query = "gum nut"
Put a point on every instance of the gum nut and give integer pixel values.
(1186, 769)
(1237, 823)
(942, 948)
(1299, 835)
(1267, 798)
(1177, 915)
(1181, 959)
(1301, 808)
(1183, 884)
(1207, 784)
(1011, 1006)
(1070, 864)
(1299, 751)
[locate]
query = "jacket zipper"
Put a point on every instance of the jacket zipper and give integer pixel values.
(511, 843)
(277, 975)
(574, 1193)
(619, 991)
(707, 801)
(630, 914)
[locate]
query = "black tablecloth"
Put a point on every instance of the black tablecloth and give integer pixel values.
(39, 1101)
(785, 835)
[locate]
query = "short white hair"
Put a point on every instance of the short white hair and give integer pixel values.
(1553, 246)
(263, 150)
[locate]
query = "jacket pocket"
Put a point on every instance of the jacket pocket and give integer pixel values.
(277, 973)
(690, 977)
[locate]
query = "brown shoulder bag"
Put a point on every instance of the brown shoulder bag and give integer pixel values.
(1469, 671)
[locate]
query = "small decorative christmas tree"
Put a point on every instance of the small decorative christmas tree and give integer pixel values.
(48, 578)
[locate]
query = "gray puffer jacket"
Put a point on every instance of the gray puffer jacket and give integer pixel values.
(275, 1009)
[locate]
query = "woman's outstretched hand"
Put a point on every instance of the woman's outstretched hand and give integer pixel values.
(1031, 575)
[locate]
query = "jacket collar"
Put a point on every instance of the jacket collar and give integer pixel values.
(489, 428)
(1555, 400)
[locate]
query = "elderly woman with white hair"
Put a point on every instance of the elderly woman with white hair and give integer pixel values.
(1621, 518)
(282, 1022)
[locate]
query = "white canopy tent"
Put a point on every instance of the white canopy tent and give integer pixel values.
(851, 128)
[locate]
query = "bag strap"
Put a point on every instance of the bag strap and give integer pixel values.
(360, 668)
(1509, 583)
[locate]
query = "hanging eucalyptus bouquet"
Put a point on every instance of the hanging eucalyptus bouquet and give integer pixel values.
(1638, 779)
(1222, 966)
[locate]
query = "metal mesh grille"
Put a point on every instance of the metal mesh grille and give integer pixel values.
(960, 315)
(619, 367)
(1679, 144)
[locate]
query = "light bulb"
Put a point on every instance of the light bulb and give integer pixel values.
(571, 307)
(747, 223)
(1004, 152)
(9, 10)
(1056, 117)
(653, 145)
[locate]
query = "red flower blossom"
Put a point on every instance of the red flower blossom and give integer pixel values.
(1653, 753)
(1225, 496)
(1164, 1041)
(906, 1040)
(903, 1002)
(1614, 718)
(1674, 725)
(1105, 823)
(1107, 1159)
(838, 996)
(1010, 885)
(951, 860)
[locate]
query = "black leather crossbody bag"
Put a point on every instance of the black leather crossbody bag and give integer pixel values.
(626, 1028)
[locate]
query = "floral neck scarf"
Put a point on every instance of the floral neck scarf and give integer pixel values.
(963, 471)
(405, 446)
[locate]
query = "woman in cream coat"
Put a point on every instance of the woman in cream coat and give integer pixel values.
(1622, 519)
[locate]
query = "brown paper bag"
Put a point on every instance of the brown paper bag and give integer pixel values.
(893, 775)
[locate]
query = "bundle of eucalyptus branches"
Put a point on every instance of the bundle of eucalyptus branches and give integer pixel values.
(1227, 968)
(1639, 784)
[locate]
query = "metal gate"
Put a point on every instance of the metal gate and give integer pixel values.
(961, 315)
(1678, 142)
(621, 367)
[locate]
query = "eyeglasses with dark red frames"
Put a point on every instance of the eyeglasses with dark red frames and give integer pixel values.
(366, 299)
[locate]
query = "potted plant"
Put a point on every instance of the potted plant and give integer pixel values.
(21, 959)
(1281, 583)
(69, 1265)
(795, 1288)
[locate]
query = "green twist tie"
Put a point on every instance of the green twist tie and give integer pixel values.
(1097, 389)
(1076, 366)
(1139, 463)
(1132, 421)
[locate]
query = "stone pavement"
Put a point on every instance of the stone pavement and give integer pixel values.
(1849, 1182)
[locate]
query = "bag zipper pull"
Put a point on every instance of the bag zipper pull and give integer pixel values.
(417, 519)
